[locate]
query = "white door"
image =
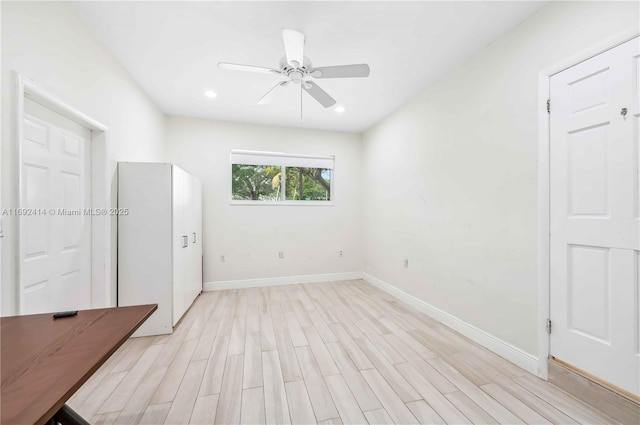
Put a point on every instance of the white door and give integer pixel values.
(189, 296)
(195, 234)
(55, 236)
(197, 229)
(595, 216)
(180, 242)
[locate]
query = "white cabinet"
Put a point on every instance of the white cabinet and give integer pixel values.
(159, 241)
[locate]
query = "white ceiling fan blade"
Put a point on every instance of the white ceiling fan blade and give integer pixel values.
(318, 94)
(293, 47)
(249, 68)
(267, 97)
(341, 71)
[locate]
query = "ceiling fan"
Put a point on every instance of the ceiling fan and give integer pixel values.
(297, 69)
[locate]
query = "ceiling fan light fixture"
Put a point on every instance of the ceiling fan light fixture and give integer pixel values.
(210, 94)
(297, 69)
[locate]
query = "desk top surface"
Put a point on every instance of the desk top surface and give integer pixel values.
(44, 361)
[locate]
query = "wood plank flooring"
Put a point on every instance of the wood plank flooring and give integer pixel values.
(330, 353)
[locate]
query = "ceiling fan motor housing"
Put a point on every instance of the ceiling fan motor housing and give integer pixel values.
(298, 73)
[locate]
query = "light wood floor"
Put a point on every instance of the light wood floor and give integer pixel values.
(329, 353)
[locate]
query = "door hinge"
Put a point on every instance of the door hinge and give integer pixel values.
(548, 326)
(548, 105)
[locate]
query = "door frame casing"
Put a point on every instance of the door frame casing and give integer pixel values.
(101, 225)
(544, 184)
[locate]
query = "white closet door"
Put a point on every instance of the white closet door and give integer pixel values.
(180, 244)
(195, 225)
(595, 216)
(198, 229)
(189, 231)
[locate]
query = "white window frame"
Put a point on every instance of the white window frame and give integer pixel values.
(281, 158)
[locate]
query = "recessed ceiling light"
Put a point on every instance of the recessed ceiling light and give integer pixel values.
(340, 109)
(210, 93)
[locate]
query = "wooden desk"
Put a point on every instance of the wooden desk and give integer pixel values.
(44, 361)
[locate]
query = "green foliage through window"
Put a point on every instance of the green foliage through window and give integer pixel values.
(266, 183)
(308, 184)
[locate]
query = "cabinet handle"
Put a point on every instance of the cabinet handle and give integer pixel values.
(194, 237)
(185, 241)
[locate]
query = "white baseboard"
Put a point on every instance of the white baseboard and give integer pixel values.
(276, 281)
(502, 348)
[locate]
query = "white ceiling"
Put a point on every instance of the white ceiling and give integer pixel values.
(172, 50)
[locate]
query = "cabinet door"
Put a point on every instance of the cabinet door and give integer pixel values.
(196, 255)
(193, 274)
(188, 226)
(180, 243)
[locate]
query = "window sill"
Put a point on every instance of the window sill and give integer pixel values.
(284, 203)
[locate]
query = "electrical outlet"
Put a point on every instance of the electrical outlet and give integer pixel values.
(340, 254)
(281, 254)
(406, 263)
(222, 260)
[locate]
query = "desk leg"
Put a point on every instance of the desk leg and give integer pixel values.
(67, 416)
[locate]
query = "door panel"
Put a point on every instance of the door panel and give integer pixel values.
(589, 171)
(72, 198)
(595, 236)
(55, 239)
(188, 231)
(197, 210)
(179, 249)
(36, 297)
(35, 180)
(195, 229)
(588, 284)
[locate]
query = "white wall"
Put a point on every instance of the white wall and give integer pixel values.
(46, 42)
(250, 236)
(450, 179)
(447, 181)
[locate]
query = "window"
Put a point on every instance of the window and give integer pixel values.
(255, 182)
(278, 178)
